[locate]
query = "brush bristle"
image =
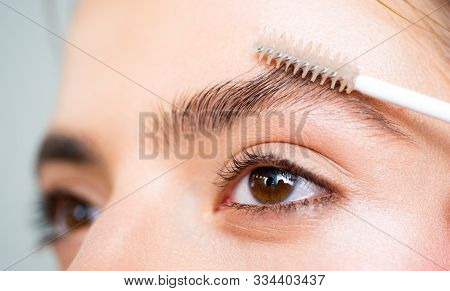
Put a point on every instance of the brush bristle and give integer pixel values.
(307, 59)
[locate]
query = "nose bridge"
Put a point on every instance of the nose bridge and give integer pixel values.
(115, 237)
(135, 227)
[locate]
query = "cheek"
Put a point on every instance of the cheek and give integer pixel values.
(385, 236)
(67, 247)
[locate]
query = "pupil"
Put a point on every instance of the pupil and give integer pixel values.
(270, 181)
(271, 185)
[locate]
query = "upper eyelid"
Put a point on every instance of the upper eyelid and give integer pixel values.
(256, 157)
(80, 182)
(67, 192)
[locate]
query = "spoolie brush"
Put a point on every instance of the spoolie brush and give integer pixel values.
(310, 60)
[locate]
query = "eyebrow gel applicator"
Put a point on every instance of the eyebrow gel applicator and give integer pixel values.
(280, 49)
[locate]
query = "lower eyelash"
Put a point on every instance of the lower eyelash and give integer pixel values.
(299, 205)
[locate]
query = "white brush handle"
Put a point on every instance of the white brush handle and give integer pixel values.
(403, 97)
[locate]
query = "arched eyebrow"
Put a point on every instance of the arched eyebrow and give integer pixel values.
(60, 147)
(221, 105)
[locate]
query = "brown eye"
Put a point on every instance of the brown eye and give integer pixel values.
(64, 211)
(270, 185)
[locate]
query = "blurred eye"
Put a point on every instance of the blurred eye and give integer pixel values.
(271, 185)
(63, 211)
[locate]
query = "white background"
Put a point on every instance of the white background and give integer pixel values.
(361, 281)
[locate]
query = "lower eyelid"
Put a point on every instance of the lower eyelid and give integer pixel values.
(273, 226)
(305, 206)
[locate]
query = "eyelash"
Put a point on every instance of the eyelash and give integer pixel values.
(252, 157)
(46, 222)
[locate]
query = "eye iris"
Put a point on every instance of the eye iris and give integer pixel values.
(270, 185)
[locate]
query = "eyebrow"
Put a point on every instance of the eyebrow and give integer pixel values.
(59, 147)
(221, 105)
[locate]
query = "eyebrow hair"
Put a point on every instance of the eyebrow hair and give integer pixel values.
(59, 147)
(220, 105)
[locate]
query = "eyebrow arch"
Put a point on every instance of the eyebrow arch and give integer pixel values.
(59, 147)
(219, 106)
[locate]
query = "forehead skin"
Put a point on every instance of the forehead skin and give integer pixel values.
(170, 46)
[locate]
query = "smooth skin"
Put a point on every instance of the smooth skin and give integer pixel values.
(161, 212)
